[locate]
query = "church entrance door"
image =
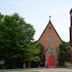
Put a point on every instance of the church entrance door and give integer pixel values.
(51, 61)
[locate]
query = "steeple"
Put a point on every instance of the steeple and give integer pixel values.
(71, 17)
(71, 26)
(71, 11)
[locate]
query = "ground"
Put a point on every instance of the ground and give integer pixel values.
(38, 70)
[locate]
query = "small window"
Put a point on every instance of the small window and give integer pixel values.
(49, 27)
(49, 38)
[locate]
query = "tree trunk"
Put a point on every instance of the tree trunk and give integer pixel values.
(29, 64)
(13, 65)
(24, 65)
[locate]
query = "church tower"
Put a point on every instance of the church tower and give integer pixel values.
(71, 27)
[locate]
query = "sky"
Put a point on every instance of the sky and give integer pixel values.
(37, 12)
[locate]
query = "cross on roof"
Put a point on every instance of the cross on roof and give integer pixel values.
(49, 18)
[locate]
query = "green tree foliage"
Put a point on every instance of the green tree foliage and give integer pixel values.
(41, 55)
(33, 53)
(15, 36)
(64, 54)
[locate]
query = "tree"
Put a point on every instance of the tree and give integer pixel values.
(15, 36)
(41, 55)
(33, 53)
(64, 54)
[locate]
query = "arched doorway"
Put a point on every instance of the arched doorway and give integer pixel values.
(51, 61)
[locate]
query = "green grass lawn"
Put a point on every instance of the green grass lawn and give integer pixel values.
(31, 70)
(38, 70)
(34, 71)
(20, 70)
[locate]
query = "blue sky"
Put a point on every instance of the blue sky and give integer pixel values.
(37, 12)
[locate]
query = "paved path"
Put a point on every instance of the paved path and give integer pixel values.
(39, 70)
(56, 70)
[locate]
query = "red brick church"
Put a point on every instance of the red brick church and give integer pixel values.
(51, 40)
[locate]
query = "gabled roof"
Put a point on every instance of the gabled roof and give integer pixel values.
(53, 28)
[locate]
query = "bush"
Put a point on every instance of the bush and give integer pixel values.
(68, 64)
